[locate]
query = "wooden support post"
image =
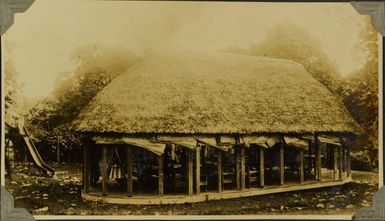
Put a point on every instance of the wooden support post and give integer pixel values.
(313, 160)
(219, 165)
(237, 168)
(160, 175)
(341, 163)
(348, 161)
(129, 171)
(301, 168)
(104, 170)
(282, 164)
(243, 171)
(85, 163)
(343, 158)
(89, 165)
(190, 172)
(315, 147)
(261, 167)
(198, 169)
(335, 156)
(318, 159)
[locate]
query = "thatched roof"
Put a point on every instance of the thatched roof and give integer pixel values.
(189, 93)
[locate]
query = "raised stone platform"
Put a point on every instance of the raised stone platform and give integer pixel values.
(120, 198)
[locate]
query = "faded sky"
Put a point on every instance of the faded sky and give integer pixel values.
(43, 38)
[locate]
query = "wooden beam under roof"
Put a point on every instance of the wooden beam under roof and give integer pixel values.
(296, 142)
(330, 139)
(212, 143)
(188, 142)
(141, 142)
(228, 140)
(266, 141)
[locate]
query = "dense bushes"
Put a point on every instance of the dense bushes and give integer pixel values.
(361, 160)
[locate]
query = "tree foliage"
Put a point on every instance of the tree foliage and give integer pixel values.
(51, 117)
(360, 95)
(288, 41)
(13, 94)
(14, 105)
(358, 91)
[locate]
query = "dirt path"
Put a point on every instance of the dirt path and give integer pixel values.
(60, 195)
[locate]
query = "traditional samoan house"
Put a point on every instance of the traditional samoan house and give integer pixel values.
(186, 127)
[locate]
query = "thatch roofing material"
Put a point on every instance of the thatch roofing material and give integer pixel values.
(219, 93)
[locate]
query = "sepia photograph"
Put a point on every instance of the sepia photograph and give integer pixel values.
(178, 109)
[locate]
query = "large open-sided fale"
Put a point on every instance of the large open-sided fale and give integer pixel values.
(189, 127)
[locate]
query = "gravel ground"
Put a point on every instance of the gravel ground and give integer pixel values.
(60, 195)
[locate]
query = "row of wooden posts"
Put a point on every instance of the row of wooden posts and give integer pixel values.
(239, 167)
